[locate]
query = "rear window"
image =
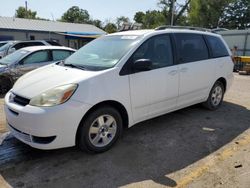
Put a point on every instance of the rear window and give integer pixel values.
(217, 46)
(191, 47)
(53, 43)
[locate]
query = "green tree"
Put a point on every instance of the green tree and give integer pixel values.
(110, 28)
(150, 19)
(139, 17)
(97, 23)
(207, 14)
(121, 20)
(21, 12)
(181, 7)
(153, 19)
(76, 15)
(236, 15)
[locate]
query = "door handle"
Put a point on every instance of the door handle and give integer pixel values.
(184, 69)
(173, 72)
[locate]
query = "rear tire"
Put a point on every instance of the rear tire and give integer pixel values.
(100, 130)
(215, 97)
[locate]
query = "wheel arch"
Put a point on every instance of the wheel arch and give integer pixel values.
(117, 105)
(6, 77)
(223, 81)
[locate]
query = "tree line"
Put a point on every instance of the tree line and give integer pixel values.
(230, 14)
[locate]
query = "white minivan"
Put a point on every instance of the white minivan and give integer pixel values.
(115, 82)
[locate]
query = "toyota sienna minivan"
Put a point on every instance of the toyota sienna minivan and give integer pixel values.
(115, 82)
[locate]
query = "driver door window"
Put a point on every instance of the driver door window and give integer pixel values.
(37, 57)
(158, 49)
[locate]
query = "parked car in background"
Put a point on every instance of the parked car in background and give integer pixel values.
(11, 46)
(115, 82)
(5, 47)
(26, 59)
(3, 43)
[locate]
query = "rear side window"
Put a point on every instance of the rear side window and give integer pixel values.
(53, 43)
(19, 46)
(217, 47)
(191, 47)
(60, 54)
(35, 44)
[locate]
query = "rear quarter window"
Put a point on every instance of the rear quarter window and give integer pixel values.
(217, 47)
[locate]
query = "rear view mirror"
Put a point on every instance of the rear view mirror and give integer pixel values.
(142, 65)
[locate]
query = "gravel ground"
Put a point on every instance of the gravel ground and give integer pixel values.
(191, 147)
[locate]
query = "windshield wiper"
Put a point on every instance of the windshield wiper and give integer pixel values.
(74, 66)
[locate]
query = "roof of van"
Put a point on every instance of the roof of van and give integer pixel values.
(149, 31)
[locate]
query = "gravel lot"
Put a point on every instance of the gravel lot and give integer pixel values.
(192, 147)
(2, 116)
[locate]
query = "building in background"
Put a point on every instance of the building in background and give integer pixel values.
(67, 34)
(239, 39)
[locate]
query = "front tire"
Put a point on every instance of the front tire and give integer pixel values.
(215, 97)
(100, 130)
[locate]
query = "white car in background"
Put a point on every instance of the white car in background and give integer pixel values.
(27, 59)
(115, 82)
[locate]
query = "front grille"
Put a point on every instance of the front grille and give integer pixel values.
(21, 100)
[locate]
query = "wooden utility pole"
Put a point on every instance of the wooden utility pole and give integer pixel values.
(173, 11)
(26, 9)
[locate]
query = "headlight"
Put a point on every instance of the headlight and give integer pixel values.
(54, 96)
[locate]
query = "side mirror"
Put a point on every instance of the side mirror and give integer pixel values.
(142, 65)
(11, 50)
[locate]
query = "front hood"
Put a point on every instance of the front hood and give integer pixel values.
(48, 77)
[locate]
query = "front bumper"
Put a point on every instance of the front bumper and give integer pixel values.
(45, 127)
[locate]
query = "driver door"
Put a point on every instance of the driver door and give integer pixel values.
(154, 92)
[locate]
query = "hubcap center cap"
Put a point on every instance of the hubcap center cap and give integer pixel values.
(103, 130)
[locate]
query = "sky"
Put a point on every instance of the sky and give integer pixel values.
(104, 10)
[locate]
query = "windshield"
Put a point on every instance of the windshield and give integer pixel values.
(2, 43)
(5, 46)
(14, 57)
(102, 53)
